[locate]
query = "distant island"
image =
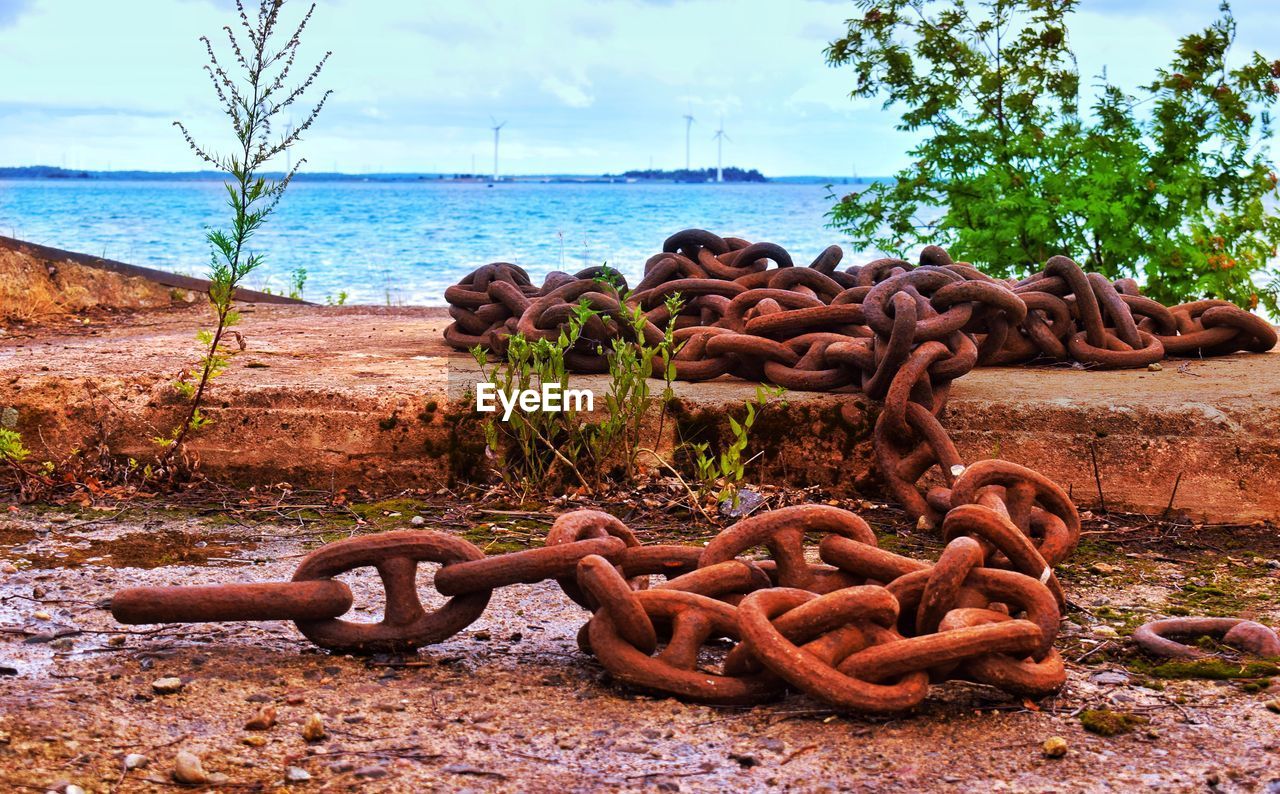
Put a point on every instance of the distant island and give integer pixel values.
(645, 176)
(731, 174)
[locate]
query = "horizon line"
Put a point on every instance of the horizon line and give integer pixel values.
(56, 172)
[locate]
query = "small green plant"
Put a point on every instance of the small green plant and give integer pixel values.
(723, 474)
(341, 300)
(529, 445)
(251, 100)
(11, 447)
(297, 282)
(632, 361)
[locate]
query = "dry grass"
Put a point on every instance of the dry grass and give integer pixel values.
(32, 289)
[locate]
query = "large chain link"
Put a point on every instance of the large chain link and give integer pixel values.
(864, 629)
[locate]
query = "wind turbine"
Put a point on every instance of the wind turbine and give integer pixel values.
(497, 128)
(720, 138)
(688, 126)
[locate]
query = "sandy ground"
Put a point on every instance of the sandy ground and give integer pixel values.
(511, 704)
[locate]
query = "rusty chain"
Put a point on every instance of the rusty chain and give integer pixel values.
(855, 625)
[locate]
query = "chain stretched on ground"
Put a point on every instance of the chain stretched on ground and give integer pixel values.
(864, 629)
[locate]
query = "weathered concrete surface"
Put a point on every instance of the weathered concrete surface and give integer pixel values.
(361, 396)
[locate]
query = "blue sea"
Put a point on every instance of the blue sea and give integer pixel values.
(404, 242)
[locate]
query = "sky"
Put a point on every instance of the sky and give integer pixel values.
(584, 86)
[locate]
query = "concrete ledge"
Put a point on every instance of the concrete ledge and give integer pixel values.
(360, 396)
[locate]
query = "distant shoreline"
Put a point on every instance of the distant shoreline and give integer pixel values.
(54, 173)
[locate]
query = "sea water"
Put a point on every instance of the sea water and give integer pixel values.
(403, 242)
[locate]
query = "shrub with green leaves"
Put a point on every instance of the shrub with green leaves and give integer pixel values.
(1171, 182)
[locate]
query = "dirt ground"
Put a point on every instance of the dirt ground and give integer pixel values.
(511, 704)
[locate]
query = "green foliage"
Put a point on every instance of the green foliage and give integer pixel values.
(11, 448)
(341, 300)
(531, 447)
(297, 281)
(1170, 183)
(723, 474)
(251, 100)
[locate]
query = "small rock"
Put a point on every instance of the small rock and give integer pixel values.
(370, 772)
(341, 767)
(1274, 705)
(313, 728)
(166, 686)
(483, 635)
(187, 768)
(42, 615)
(1273, 564)
(1054, 747)
(1111, 677)
(62, 644)
(296, 774)
(253, 740)
(1105, 631)
(748, 503)
(1154, 367)
(1103, 568)
(9, 568)
(136, 761)
(117, 640)
(417, 521)
(264, 720)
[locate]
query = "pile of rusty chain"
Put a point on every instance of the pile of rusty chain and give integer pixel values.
(865, 629)
(899, 332)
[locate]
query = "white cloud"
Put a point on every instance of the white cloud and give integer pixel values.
(574, 95)
(587, 85)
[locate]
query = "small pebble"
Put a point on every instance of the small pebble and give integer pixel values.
(1111, 677)
(1055, 747)
(264, 720)
(1154, 367)
(187, 768)
(9, 568)
(117, 640)
(1105, 631)
(135, 761)
(253, 740)
(42, 615)
(371, 771)
(1274, 705)
(417, 521)
(295, 774)
(313, 728)
(166, 686)
(72, 788)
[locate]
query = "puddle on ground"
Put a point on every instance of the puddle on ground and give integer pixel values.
(25, 547)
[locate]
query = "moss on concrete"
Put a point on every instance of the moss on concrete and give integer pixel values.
(1105, 722)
